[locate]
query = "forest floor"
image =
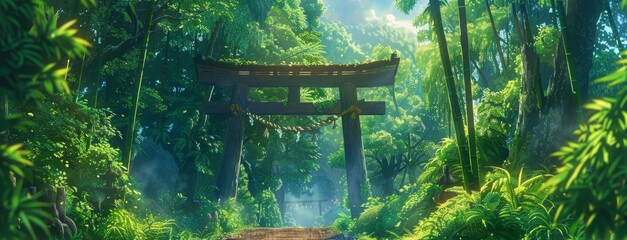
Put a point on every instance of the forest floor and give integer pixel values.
(288, 233)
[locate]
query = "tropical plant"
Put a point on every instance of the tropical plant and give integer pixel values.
(541, 224)
(518, 193)
(31, 44)
(123, 224)
(591, 180)
(21, 212)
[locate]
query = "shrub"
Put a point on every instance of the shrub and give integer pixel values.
(369, 223)
(344, 223)
(123, 224)
(269, 216)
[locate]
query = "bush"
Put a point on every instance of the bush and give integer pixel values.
(369, 223)
(446, 222)
(270, 215)
(344, 223)
(446, 155)
(417, 207)
(123, 224)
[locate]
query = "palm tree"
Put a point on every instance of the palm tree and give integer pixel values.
(456, 112)
(130, 136)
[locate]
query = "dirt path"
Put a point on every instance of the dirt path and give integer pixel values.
(287, 233)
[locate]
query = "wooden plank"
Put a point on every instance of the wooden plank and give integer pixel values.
(369, 79)
(273, 108)
(356, 174)
(229, 170)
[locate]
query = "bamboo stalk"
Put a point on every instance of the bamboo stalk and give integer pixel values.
(126, 159)
(462, 144)
(574, 79)
(80, 79)
(470, 118)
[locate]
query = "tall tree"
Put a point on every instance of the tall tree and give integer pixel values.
(581, 17)
(615, 34)
(497, 39)
(531, 97)
(573, 75)
(470, 116)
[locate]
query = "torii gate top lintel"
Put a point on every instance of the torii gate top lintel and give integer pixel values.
(372, 74)
(345, 77)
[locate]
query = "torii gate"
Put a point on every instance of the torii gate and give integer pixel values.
(345, 77)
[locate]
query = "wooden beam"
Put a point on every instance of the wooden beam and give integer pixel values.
(229, 170)
(311, 69)
(273, 108)
(372, 79)
(356, 174)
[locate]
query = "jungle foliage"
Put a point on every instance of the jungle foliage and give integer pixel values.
(483, 137)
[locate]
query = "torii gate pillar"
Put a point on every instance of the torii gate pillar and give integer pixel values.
(356, 175)
(229, 170)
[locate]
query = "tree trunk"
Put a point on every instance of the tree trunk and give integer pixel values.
(497, 41)
(581, 20)
(470, 116)
(530, 102)
(280, 200)
(80, 80)
(615, 34)
(130, 136)
(554, 19)
(388, 185)
(572, 73)
(456, 112)
(214, 36)
(517, 28)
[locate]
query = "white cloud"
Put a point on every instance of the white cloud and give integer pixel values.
(391, 21)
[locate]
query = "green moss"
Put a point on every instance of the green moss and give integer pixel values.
(369, 223)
